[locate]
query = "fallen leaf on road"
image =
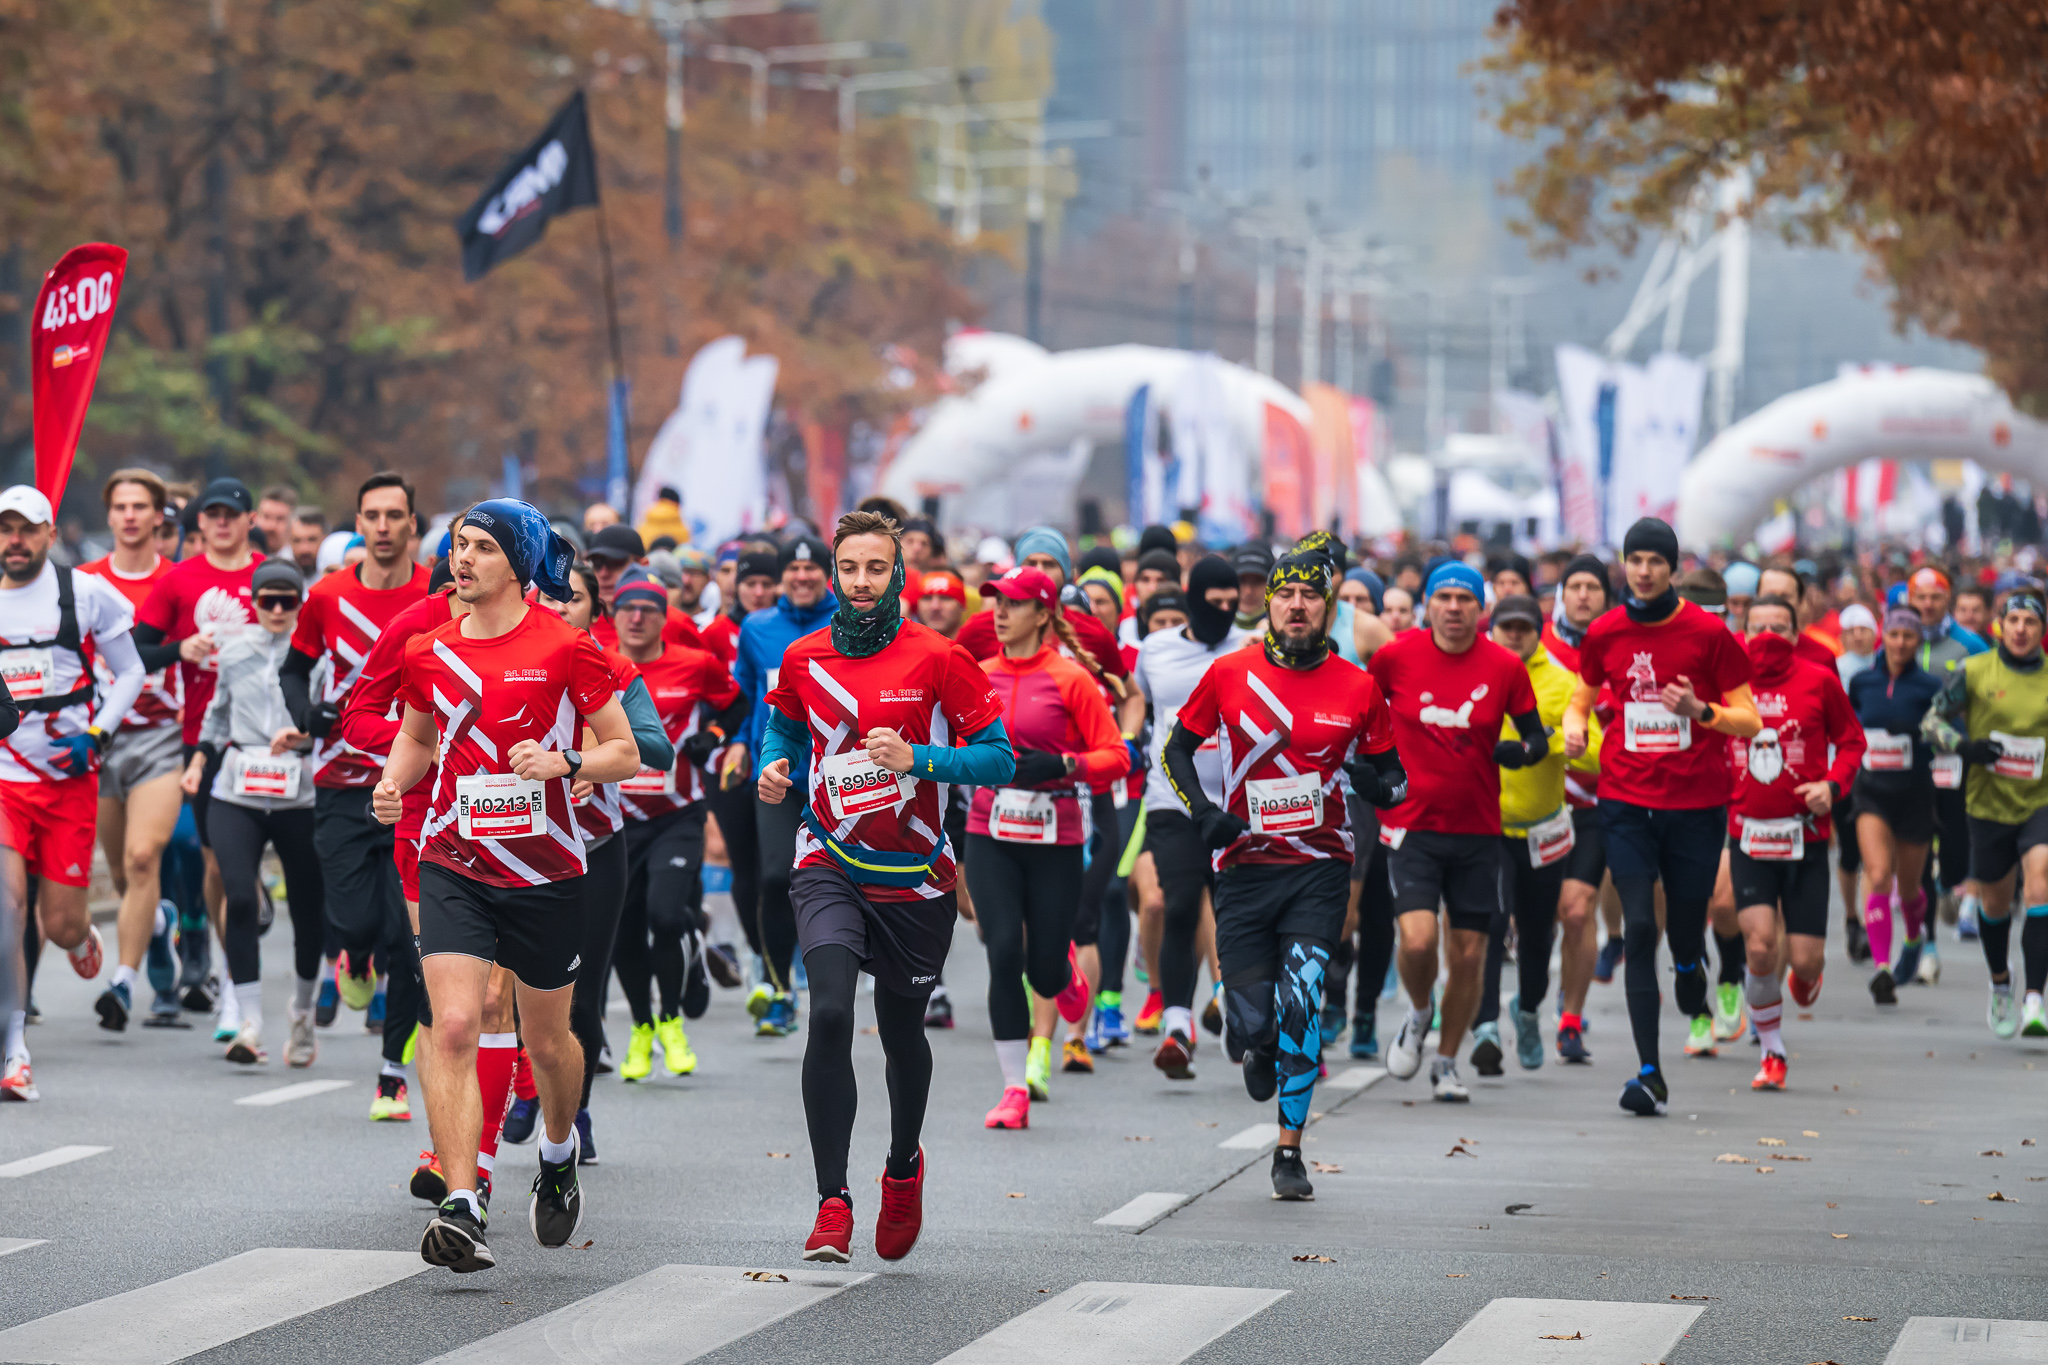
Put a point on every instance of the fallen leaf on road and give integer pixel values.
(1473, 1141)
(1808, 1132)
(1767, 1170)
(1839, 1236)
(1457, 1277)
(1576, 1336)
(1320, 1260)
(1014, 1194)
(1405, 1104)
(1517, 1208)
(1927, 1201)
(1733, 1159)
(1326, 1167)
(869, 1029)
(1696, 1298)
(1991, 1151)
(778, 1156)
(766, 1276)
(1834, 1206)
(1137, 1139)
(1789, 1157)
(1770, 1142)
(2000, 1197)
(1205, 1125)
(1806, 1016)
(1851, 1111)
(587, 1245)
(2027, 1142)
(2032, 1179)
(1460, 1149)
(1850, 1319)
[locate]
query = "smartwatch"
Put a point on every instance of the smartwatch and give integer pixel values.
(574, 758)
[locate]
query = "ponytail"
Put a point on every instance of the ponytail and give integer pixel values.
(1064, 629)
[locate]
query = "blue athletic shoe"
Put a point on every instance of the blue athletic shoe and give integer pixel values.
(1109, 1019)
(586, 1145)
(520, 1118)
(1528, 1037)
(799, 979)
(373, 1018)
(780, 1019)
(328, 1004)
(1091, 1037)
(1908, 965)
(1610, 958)
(162, 961)
(1365, 1036)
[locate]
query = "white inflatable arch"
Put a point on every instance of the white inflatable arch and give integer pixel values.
(1898, 414)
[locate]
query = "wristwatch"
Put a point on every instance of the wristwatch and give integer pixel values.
(574, 758)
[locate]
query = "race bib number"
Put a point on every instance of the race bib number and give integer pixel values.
(260, 774)
(500, 806)
(1947, 770)
(1649, 727)
(1550, 840)
(2021, 759)
(1392, 837)
(29, 673)
(650, 782)
(854, 786)
(1888, 753)
(1774, 840)
(1022, 817)
(1285, 805)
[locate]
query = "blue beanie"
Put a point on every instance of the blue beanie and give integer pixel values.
(1044, 540)
(1374, 588)
(1452, 574)
(1742, 579)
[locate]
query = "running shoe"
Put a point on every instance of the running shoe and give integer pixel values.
(1109, 1015)
(113, 1006)
(390, 1104)
(1609, 959)
(226, 1023)
(247, 1047)
(356, 991)
(1928, 970)
(557, 1208)
(455, 1238)
(16, 1081)
(2003, 1012)
(1092, 1037)
(604, 1060)
(89, 956)
(1444, 1085)
(1528, 1036)
(639, 1063)
(2033, 1018)
(1571, 1046)
(196, 982)
(1149, 1015)
(1645, 1094)
(1882, 989)
(1290, 1176)
(831, 1236)
(1404, 1058)
(1012, 1111)
(1212, 1013)
(1072, 1001)
(675, 1046)
(300, 1048)
(1966, 919)
(1074, 1056)
(1908, 965)
(428, 1181)
(165, 1012)
(696, 981)
(1261, 1074)
(1486, 1050)
(723, 964)
(759, 999)
(161, 961)
(1176, 1056)
(938, 1012)
(902, 1215)
(1699, 1042)
(522, 1118)
(373, 1017)
(1856, 938)
(1728, 1013)
(586, 1144)
(1771, 1075)
(1365, 1035)
(327, 1004)
(1803, 993)
(780, 1020)
(1038, 1069)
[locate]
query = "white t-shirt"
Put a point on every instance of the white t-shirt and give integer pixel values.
(1169, 665)
(45, 670)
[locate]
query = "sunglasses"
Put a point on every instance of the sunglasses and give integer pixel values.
(277, 603)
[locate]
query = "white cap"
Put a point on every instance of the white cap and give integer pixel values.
(1856, 614)
(995, 551)
(33, 506)
(332, 549)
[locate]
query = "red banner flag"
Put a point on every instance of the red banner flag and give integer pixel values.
(74, 313)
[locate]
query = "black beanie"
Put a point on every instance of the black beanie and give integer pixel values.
(1207, 622)
(1588, 564)
(1160, 561)
(1157, 537)
(1654, 535)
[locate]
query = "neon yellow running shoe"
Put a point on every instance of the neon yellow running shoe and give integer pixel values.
(1038, 1070)
(759, 999)
(355, 990)
(675, 1046)
(639, 1054)
(1700, 1042)
(1729, 1020)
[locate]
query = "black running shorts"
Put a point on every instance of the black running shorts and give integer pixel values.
(534, 932)
(1996, 847)
(1460, 871)
(1260, 907)
(1798, 887)
(901, 944)
(1587, 862)
(1907, 807)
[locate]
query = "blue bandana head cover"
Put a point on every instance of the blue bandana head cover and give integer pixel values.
(537, 554)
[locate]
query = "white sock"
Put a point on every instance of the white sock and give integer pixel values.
(17, 1046)
(1010, 1055)
(302, 994)
(393, 1069)
(230, 1010)
(2033, 1000)
(939, 991)
(468, 1197)
(249, 1003)
(1420, 1016)
(327, 969)
(1178, 1019)
(557, 1152)
(124, 975)
(2002, 987)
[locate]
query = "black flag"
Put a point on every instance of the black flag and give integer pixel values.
(558, 172)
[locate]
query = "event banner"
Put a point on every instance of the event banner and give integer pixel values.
(73, 315)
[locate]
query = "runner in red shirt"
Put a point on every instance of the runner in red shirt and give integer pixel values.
(1672, 668)
(1288, 717)
(884, 714)
(1778, 823)
(1450, 690)
(1045, 549)
(498, 695)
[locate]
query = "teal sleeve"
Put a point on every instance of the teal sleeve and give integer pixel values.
(984, 760)
(785, 738)
(655, 750)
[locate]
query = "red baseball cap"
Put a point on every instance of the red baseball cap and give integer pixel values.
(939, 583)
(1026, 584)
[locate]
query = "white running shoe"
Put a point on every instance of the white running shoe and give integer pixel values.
(2003, 1012)
(302, 1047)
(1444, 1085)
(247, 1047)
(1404, 1057)
(2033, 1017)
(1928, 972)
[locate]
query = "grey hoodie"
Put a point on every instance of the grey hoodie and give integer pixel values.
(248, 708)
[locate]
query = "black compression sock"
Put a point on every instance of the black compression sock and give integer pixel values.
(1734, 958)
(2034, 949)
(901, 1168)
(1996, 935)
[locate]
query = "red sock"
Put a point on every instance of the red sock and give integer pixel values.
(522, 1079)
(496, 1055)
(1571, 1021)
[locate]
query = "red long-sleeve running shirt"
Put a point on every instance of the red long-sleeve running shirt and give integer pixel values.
(1052, 703)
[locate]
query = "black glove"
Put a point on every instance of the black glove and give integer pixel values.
(321, 718)
(1511, 753)
(1035, 766)
(1982, 752)
(1377, 789)
(699, 748)
(1218, 828)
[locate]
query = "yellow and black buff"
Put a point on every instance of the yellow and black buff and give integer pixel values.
(1313, 567)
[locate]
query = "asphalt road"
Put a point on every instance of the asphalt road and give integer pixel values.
(1629, 1239)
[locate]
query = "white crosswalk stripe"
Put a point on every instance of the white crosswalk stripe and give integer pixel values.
(10, 1245)
(1142, 1212)
(1132, 1324)
(186, 1314)
(1583, 1332)
(1969, 1341)
(43, 1161)
(285, 1094)
(665, 1317)
(1253, 1138)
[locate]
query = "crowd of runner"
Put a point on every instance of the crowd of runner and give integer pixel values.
(500, 760)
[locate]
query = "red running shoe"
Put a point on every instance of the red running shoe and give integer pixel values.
(902, 1215)
(1176, 1056)
(832, 1236)
(1771, 1075)
(1073, 997)
(1013, 1112)
(1804, 992)
(88, 957)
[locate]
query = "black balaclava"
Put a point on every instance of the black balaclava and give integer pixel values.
(1208, 622)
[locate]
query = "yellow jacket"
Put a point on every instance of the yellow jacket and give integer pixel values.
(1531, 795)
(663, 519)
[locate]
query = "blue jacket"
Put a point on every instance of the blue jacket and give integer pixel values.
(764, 635)
(1895, 705)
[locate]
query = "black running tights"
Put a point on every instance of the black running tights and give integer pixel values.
(1182, 862)
(830, 1095)
(1533, 892)
(239, 834)
(604, 891)
(1024, 898)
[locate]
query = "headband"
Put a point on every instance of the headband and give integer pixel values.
(2027, 600)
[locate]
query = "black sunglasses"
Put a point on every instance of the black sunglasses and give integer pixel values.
(276, 603)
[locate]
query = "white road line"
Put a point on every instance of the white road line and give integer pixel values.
(43, 1161)
(1513, 1332)
(669, 1315)
(1969, 1341)
(1132, 1324)
(10, 1245)
(1357, 1078)
(285, 1094)
(186, 1314)
(1142, 1212)
(1253, 1138)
